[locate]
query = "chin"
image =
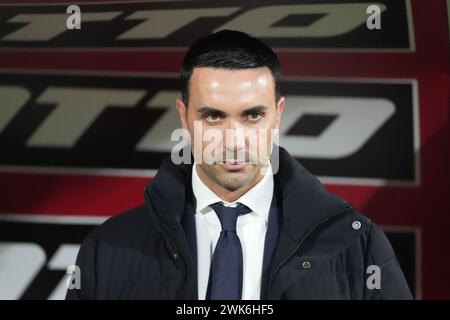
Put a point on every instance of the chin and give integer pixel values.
(234, 180)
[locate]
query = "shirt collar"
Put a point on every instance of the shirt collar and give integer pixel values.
(258, 198)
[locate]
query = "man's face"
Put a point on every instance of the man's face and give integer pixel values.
(241, 106)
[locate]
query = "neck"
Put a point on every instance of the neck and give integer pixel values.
(223, 193)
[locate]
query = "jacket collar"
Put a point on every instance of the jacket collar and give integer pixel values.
(167, 190)
(304, 199)
(305, 202)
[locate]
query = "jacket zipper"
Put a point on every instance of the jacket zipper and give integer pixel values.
(300, 243)
(176, 252)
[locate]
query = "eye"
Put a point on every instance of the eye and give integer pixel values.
(212, 117)
(254, 116)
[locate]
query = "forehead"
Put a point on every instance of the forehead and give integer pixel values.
(221, 86)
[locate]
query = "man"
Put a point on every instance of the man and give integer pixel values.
(245, 220)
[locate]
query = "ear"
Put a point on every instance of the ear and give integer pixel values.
(182, 110)
(280, 108)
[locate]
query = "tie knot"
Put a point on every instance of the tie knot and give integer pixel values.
(228, 215)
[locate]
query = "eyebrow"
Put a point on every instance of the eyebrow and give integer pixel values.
(211, 110)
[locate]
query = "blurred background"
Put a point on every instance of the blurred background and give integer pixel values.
(86, 116)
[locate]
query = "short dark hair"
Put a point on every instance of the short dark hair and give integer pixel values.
(232, 50)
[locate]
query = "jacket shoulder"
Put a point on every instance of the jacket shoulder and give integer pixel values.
(378, 244)
(128, 228)
(108, 253)
(129, 218)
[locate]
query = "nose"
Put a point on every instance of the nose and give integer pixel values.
(235, 136)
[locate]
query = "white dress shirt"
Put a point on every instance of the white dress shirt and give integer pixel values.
(251, 229)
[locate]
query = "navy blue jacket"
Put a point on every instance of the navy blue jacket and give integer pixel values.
(323, 249)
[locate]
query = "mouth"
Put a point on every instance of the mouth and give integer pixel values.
(234, 165)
